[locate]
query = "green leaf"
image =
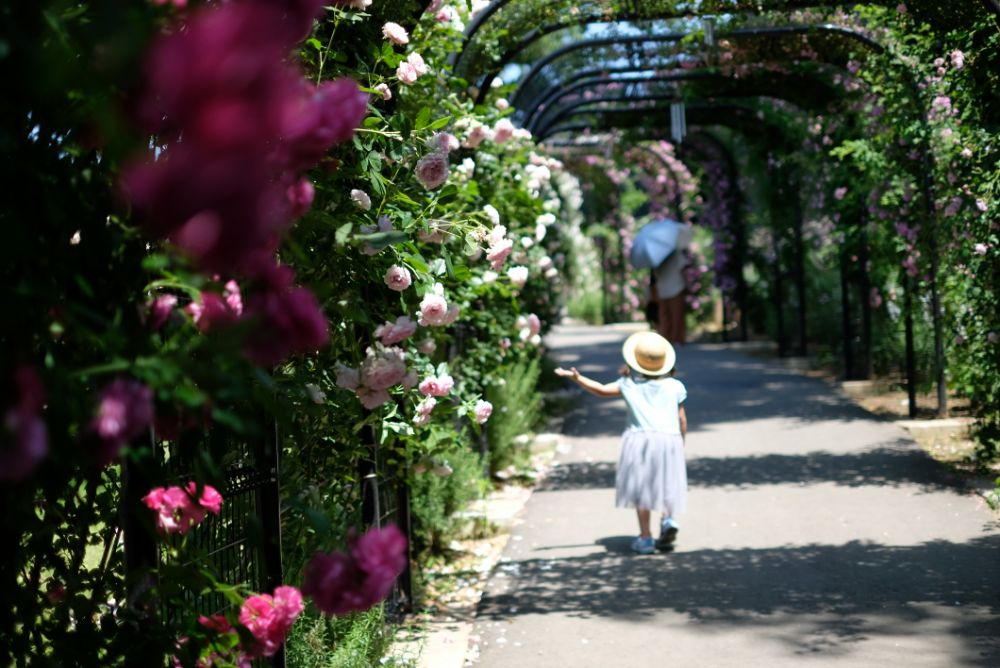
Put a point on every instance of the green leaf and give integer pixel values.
(343, 232)
(315, 43)
(439, 123)
(379, 240)
(423, 118)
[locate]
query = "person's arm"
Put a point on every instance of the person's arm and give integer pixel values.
(682, 416)
(592, 386)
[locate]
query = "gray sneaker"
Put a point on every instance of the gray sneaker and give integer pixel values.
(643, 545)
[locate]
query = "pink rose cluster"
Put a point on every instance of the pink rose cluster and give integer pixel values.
(424, 409)
(341, 582)
(500, 247)
(29, 438)
(125, 411)
(383, 367)
(436, 386)
(178, 509)
(411, 69)
(434, 309)
(529, 328)
(269, 618)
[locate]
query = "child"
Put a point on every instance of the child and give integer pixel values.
(651, 472)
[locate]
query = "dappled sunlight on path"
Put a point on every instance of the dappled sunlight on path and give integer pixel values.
(814, 532)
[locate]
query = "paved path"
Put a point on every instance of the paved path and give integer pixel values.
(815, 536)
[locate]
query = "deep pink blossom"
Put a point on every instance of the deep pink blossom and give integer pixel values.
(340, 583)
(432, 170)
(28, 435)
(249, 122)
(270, 618)
(160, 310)
(179, 510)
(214, 310)
(287, 320)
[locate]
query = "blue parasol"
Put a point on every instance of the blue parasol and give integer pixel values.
(653, 243)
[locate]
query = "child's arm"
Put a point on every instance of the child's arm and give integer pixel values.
(682, 416)
(592, 386)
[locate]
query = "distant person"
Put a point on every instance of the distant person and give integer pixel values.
(668, 284)
(651, 471)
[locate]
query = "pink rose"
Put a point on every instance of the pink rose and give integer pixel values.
(395, 33)
(160, 310)
(125, 411)
(29, 440)
(436, 386)
(840, 193)
(383, 367)
(406, 73)
(391, 333)
(398, 278)
(270, 618)
(384, 90)
(503, 131)
(433, 308)
(372, 399)
(482, 411)
(432, 170)
(424, 409)
(416, 61)
(499, 252)
(347, 378)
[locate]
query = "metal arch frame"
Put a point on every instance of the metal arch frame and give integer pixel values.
(543, 118)
(480, 20)
(824, 29)
(582, 80)
(926, 185)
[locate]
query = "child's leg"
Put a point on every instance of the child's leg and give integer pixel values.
(643, 514)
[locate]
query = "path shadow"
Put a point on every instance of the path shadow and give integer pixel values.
(893, 464)
(816, 597)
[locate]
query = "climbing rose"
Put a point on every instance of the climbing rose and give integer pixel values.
(391, 333)
(300, 195)
(980, 249)
(436, 386)
(424, 409)
(406, 73)
(418, 64)
(433, 308)
(477, 134)
(384, 90)
(347, 378)
(29, 440)
(372, 399)
(361, 199)
(482, 411)
(503, 131)
(178, 510)
(498, 252)
(340, 583)
(395, 33)
(160, 309)
(957, 59)
(492, 213)
(383, 367)
(124, 411)
(432, 170)
(840, 193)
(270, 618)
(398, 278)
(445, 142)
(518, 276)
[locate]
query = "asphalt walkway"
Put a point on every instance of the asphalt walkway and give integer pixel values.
(815, 536)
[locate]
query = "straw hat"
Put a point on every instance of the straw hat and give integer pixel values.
(649, 354)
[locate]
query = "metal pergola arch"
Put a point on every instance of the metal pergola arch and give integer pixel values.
(708, 8)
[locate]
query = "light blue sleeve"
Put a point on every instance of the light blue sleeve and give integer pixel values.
(682, 392)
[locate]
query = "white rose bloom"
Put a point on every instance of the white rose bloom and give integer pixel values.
(492, 214)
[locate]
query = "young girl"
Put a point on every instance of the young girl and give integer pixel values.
(651, 472)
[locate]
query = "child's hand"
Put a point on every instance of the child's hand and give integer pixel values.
(568, 373)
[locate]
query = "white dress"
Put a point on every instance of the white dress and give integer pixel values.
(651, 471)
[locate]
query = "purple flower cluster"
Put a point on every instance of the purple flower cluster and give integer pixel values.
(339, 582)
(124, 412)
(29, 439)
